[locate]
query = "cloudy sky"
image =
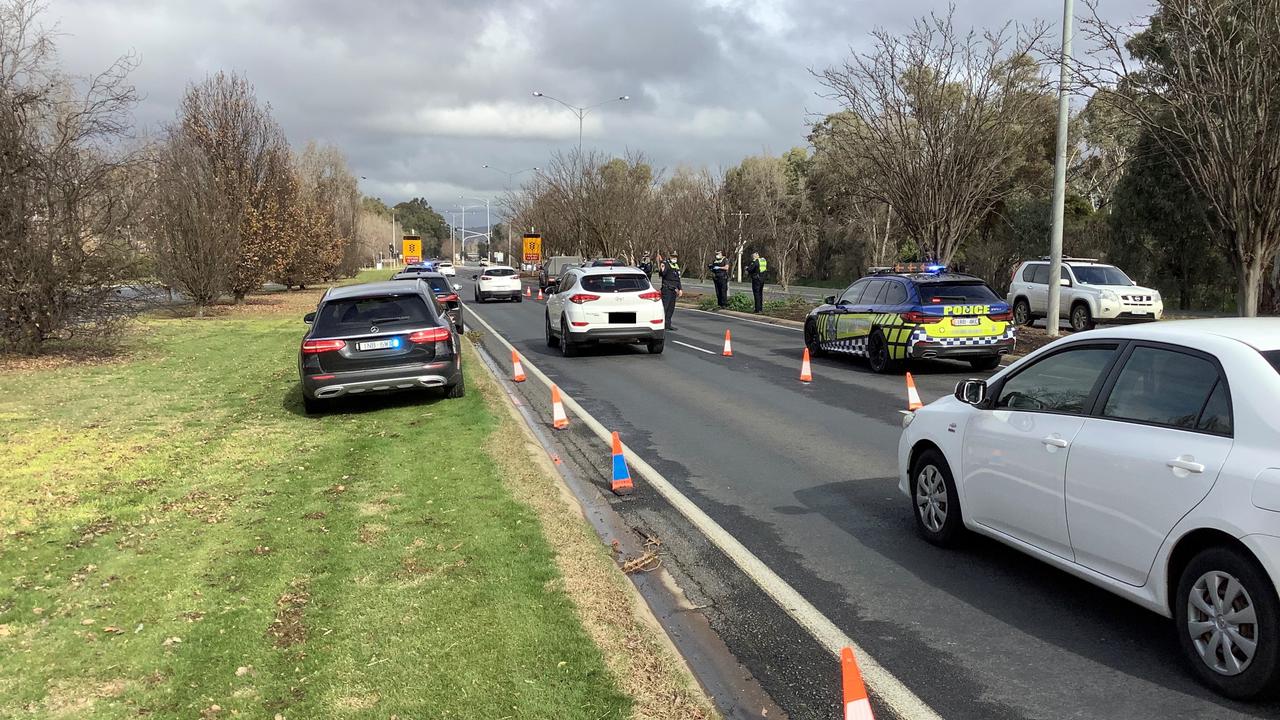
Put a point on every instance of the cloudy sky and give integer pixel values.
(422, 93)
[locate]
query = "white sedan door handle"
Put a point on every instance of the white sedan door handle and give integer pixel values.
(1181, 463)
(1052, 441)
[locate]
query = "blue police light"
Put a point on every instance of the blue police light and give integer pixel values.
(395, 343)
(934, 268)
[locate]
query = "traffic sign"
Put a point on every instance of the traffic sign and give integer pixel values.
(532, 248)
(411, 249)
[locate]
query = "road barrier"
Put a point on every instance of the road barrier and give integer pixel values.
(517, 368)
(621, 484)
(806, 372)
(728, 346)
(913, 395)
(856, 704)
(559, 420)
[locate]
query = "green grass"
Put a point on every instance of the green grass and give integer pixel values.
(175, 535)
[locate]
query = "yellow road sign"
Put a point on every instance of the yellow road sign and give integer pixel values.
(411, 248)
(532, 248)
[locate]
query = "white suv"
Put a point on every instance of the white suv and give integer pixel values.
(609, 304)
(1140, 459)
(498, 281)
(1092, 292)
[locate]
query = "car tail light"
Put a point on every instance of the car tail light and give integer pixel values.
(915, 317)
(580, 324)
(1006, 316)
(323, 377)
(485, 277)
(579, 298)
(430, 336)
(657, 322)
(311, 347)
(651, 295)
(449, 298)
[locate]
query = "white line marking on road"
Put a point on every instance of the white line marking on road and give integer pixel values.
(746, 320)
(888, 689)
(693, 347)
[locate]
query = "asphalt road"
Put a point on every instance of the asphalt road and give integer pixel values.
(805, 477)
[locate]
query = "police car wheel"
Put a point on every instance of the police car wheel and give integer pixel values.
(811, 338)
(878, 353)
(933, 500)
(552, 340)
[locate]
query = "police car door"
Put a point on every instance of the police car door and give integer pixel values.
(854, 324)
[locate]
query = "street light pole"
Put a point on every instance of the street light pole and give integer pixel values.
(510, 178)
(581, 111)
(1060, 177)
(488, 226)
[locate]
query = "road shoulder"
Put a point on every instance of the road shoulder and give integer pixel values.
(644, 662)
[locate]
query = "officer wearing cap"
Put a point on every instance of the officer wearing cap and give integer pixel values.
(720, 275)
(669, 272)
(646, 265)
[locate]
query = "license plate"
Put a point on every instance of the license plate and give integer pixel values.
(376, 344)
(964, 321)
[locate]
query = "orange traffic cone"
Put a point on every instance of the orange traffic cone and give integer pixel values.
(559, 420)
(527, 291)
(806, 373)
(728, 346)
(540, 294)
(913, 396)
(856, 704)
(621, 484)
(517, 369)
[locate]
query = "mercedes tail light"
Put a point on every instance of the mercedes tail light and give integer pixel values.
(915, 317)
(449, 298)
(579, 298)
(653, 295)
(430, 336)
(311, 347)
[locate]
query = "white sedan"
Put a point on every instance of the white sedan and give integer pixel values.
(1142, 459)
(498, 281)
(444, 267)
(603, 304)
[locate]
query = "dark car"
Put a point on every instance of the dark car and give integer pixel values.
(893, 317)
(378, 337)
(445, 291)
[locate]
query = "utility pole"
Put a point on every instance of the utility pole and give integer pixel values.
(741, 247)
(1059, 177)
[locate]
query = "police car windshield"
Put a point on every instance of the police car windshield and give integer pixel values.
(629, 282)
(942, 293)
(1273, 357)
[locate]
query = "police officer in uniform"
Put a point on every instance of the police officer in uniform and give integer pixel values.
(756, 270)
(669, 272)
(720, 275)
(646, 266)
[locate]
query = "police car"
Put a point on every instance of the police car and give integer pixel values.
(913, 312)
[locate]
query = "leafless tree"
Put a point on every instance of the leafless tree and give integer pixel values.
(1204, 79)
(66, 203)
(938, 120)
(194, 223)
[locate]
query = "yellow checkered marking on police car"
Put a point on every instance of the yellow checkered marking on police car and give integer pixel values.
(901, 337)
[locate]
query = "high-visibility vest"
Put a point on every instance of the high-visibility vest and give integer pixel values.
(764, 265)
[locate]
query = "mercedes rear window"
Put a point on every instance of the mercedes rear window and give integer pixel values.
(499, 272)
(1273, 357)
(439, 285)
(946, 293)
(629, 282)
(360, 315)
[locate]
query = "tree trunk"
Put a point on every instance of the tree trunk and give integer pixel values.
(1249, 277)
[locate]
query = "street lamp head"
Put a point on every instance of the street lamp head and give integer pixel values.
(624, 97)
(537, 94)
(486, 164)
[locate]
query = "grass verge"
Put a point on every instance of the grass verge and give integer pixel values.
(178, 540)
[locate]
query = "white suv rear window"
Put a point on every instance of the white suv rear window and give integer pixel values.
(629, 282)
(499, 272)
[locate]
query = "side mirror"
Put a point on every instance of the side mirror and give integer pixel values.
(830, 300)
(971, 392)
(457, 286)
(1064, 282)
(309, 318)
